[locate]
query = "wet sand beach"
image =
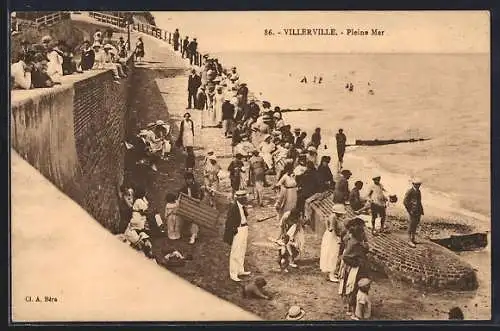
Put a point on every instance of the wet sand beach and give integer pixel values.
(165, 98)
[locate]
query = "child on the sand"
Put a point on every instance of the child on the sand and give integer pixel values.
(363, 301)
(255, 289)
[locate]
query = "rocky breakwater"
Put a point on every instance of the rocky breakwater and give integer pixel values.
(428, 265)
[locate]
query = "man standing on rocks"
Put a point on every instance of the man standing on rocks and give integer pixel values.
(194, 82)
(378, 203)
(413, 204)
(236, 235)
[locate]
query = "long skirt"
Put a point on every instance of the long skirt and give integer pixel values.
(329, 251)
(287, 200)
(209, 118)
(348, 285)
(187, 138)
(268, 158)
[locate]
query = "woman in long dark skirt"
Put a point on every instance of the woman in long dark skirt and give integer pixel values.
(354, 263)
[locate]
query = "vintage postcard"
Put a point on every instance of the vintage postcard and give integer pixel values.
(244, 166)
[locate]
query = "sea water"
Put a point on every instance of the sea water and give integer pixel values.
(445, 97)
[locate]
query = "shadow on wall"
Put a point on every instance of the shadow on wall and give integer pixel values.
(147, 105)
(73, 135)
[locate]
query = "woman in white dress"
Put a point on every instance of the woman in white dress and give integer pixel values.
(174, 224)
(209, 114)
(54, 66)
(186, 132)
(287, 196)
(211, 176)
(330, 244)
(136, 229)
(219, 100)
(267, 149)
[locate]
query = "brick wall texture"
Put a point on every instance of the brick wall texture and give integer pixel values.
(428, 265)
(74, 137)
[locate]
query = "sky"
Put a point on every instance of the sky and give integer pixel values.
(404, 32)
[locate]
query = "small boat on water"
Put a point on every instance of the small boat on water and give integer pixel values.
(463, 242)
(377, 142)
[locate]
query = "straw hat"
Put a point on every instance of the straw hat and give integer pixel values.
(376, 177)
(160, 122)
(339, 208)
(143, 132)
(241, 193)
(311, 149)
(364, 282)
(295, 313)
(108, 46)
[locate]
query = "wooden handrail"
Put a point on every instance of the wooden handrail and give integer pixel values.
(149, 29)
(106, 18)
(51, 18)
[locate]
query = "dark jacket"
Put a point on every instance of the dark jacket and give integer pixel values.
(176, 38)
(355, 199)
(355, 252)
(227, 110)
(88, 59)
(413, 202)
(325, 177)
(307, 183)
(40, 79)
(194, 82)
(237, 132)
(316, 139)
(240, 114)
(252, 110)
(185, 43)
(196, 191)
(341, 139)
(201, 100)
(233, 221)
(341, 193)
(193, 45)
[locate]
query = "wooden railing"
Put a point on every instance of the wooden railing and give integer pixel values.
(110, 19)
(52, 18)
(146, 28)
(168, 37)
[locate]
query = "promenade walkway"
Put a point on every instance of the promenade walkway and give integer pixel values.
(66, 267)
(163, 78)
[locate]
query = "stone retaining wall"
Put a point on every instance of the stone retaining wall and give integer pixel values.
(428, 265)
(73, 134)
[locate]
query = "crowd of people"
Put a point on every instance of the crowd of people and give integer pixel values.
(42, 64)
(264, 144)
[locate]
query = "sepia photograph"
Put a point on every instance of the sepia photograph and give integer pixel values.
(285, 166)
